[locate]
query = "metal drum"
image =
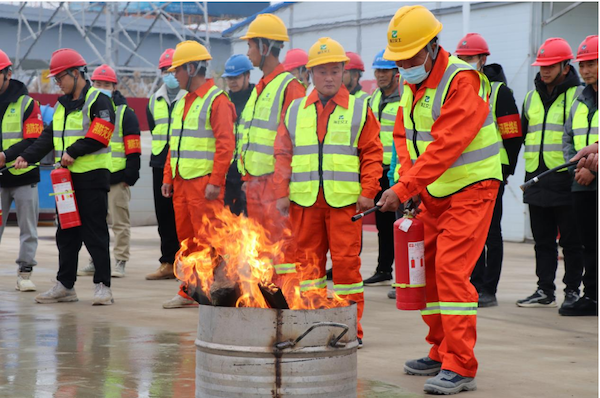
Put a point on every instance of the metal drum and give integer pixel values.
(257, 352)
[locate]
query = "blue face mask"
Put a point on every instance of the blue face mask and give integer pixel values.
(106, 91)
(170, 81)
(416, 74)
(475, 65)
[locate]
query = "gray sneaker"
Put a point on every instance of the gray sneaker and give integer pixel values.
(422, 367)
(119, 270)
(102, 295)
(88, 270)
(448, 382)
(58, 294)
(24, 284)
(392, 293)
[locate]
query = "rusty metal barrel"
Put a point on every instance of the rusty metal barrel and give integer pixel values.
(257, 352)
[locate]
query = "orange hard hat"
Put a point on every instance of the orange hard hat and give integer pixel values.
(5, 61)
(553, 51)
(105, 73)
(355, 62)
(295, 58)
(166, 59)
(64, 59)
(588, 49)
(472, 44)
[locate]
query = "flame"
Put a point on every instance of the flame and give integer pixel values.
(236, 251)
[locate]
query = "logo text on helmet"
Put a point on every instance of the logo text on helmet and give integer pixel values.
(394, 37)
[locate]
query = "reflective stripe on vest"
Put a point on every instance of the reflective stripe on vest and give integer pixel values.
(494, 102)
(387, 119)
(73, 127)
(257, 128)
(362, 95)
(585, 131)
(159, 108)
(448, 308)
(546, 129)
(479, 161)
(193, 141)
(12, 129)
(333, 164)
(117, 146)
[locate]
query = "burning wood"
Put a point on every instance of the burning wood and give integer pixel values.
(273, 296)
(224, 292)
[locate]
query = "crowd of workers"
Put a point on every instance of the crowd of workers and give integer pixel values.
(305, 148)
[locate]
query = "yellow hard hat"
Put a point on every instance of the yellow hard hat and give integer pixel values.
(324, 51)
(267, 26)
(189, 51)
(409, 31)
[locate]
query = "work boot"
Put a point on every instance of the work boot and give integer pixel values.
(329, 274)
(448, 382)
(487, 300)
(538, 299)
(102, 295)
(88, 270)
(379, 279)
(179, 302)
(571, 297)
(585, 306)
(23, 282)
(360, 343)
(165, 271)
(392, 293)
(422, 367)
(119, 270)
(58, 294)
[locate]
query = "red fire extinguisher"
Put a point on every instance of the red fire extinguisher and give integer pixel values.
(66, 205)
(409, 249)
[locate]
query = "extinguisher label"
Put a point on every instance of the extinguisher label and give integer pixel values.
(65, 202)
(416, 261)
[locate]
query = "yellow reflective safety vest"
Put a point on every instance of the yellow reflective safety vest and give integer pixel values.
(333, 164)
(117, 146)
(479, 161)
(73, 127)
(387, 119)
(546, 129)
(494, 102)
(362, 95)
(257, 128)
(192, 140)
(159, 108)
(12, 129)
(585, 128)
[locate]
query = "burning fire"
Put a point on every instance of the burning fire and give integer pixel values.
(233, 257)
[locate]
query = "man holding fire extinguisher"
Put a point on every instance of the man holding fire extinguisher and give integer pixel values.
(80, 134)
(448, 150)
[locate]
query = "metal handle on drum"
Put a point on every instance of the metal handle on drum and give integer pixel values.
(332, 343)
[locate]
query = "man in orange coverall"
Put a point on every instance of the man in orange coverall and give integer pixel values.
(201, 148)
(328, 164)
(257, 129)
(449, 151)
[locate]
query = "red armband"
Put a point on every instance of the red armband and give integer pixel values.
(101, 131)
(510, 126)
(32, 128)
(132, 144)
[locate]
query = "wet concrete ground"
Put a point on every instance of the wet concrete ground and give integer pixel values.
(137, 349)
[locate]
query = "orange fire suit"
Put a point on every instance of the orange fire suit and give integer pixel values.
(189, 202)
(260, 197)
(320, 227)
(455, 226)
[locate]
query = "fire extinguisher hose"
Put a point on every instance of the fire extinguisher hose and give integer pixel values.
(546, 173)
(358, 216)
(5, 169)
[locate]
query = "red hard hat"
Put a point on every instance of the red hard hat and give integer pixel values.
(105, 73)
(5, 61)
(295, 58)
(64, 59)
(472, 44)
(166, 59)
(355, 62)
(588, 49)
(553, 51)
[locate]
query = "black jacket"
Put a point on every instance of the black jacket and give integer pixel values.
(131, 126)
(505, 106)
(103, 108)
(239, 100)
(393, 97)
(555, 189)
(13, 92)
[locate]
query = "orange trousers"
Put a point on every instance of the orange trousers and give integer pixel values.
(456, 228)
(190, 206)
(321, 228)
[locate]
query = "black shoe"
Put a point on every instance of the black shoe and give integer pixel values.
(360, 343)
(379, 279)
(392, 294)
(571, 297)
(538, 299)
(585, 306)
(487, 300)
(330, 274)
